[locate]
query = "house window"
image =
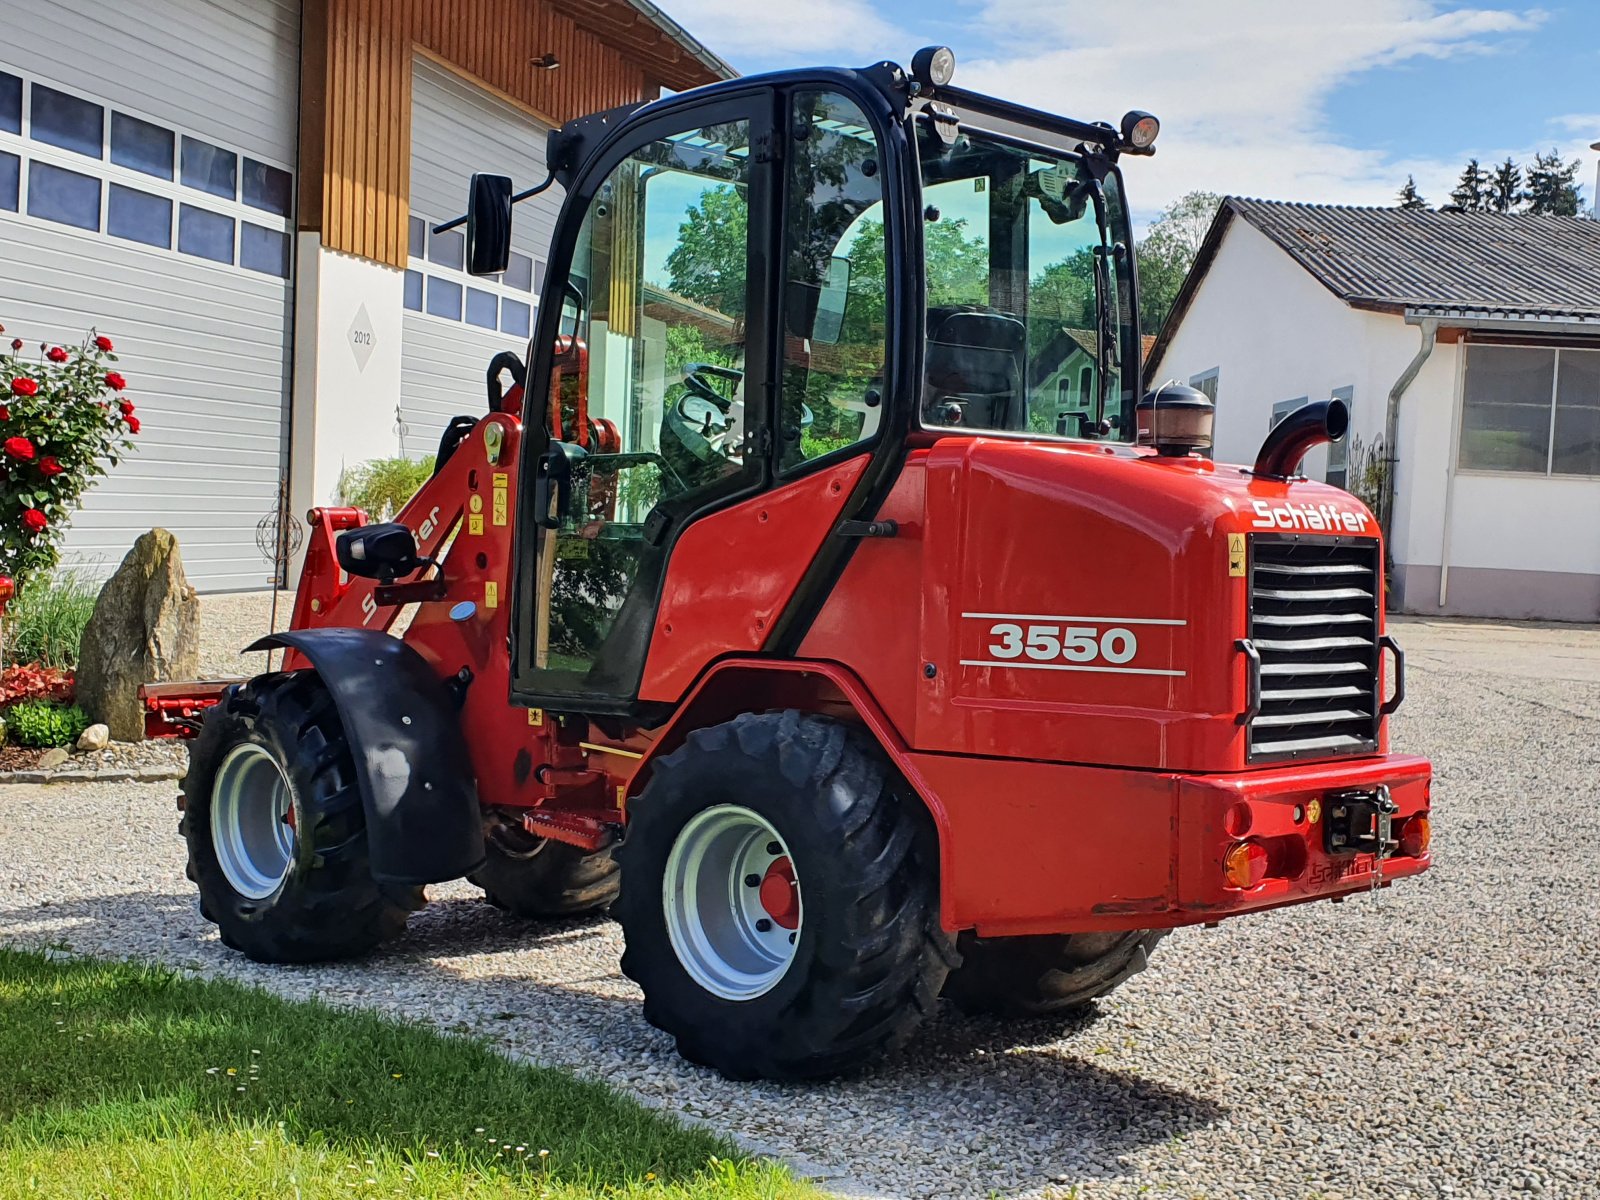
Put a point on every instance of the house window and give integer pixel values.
(1531, 410)
(1206, 381)
(1283, 408)
(1338, 472)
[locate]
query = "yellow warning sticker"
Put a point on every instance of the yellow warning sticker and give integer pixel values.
(1314, 811)
(491, 594)
(1236, 555)
(622, 796)
(475, 503)
(500, 486)
(536, 716)
(475, 523)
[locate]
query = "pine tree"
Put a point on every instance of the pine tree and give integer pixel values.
(1552, 186)
(1505, 187)
(1472, 189)
(1410, 197)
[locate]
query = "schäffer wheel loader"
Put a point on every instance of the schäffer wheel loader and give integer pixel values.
(825, 598)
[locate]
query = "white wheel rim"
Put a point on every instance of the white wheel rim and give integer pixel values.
(251, 813)
(731, 941)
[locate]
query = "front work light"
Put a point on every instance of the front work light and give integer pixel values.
(1139, 129)
(934, 66)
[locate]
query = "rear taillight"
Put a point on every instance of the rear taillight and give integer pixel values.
(1416, 834)
(1245, 865)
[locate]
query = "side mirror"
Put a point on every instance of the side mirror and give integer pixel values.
(384, 551)
(489, 224)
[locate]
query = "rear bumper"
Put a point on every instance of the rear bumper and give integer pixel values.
(1030, 847)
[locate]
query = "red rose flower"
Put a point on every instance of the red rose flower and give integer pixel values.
(19, 448)
(5, 412)
(116, 382)
(16, 343)
(49, 466)
(56, 354)
(23, 386)
(127, 408)
(35, 520)
(133, 424)
(103, 343)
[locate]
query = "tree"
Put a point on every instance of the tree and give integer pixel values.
(1168, 251)
(1552, 186)
(1505, 187)
(1472, 189)
(1410, 197)
(708, 263)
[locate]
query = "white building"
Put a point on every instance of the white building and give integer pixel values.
(1478, 332)
(238, 193)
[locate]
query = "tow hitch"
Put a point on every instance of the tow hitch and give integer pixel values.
(1361, 822)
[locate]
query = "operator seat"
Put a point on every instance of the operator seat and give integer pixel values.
(977, 368)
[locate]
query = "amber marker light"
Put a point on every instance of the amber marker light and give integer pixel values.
(1245, 865)
(1416, 835)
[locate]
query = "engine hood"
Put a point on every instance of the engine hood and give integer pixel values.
(1084, 603)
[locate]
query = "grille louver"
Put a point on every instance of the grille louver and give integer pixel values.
(1314, 622)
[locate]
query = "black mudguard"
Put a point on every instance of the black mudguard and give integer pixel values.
(416, 780)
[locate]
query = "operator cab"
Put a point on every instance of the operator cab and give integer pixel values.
(762, 280)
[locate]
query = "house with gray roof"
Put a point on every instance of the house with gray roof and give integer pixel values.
(1467, 345)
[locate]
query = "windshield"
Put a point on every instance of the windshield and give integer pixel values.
(1030, 321)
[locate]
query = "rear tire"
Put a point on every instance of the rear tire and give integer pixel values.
(276, 831)
(1045, 975)
(532, 876)
(867, 957)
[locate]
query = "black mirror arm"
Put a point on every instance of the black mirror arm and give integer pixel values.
(516, 199)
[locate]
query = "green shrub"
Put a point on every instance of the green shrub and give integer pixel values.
(44, 624)
(381, 486)
(45, 723)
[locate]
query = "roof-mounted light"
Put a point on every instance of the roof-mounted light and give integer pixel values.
(1139, 130)
(934, 66)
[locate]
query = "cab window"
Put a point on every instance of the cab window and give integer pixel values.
(835, 322)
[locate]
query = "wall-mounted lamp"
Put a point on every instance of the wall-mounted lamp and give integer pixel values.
(545, 62)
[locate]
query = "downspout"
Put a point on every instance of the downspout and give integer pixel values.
(1391, 425)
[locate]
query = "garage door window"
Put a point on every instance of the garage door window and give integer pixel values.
(437, 283)
(153, 185)
(141, 145)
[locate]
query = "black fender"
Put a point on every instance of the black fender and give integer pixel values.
(412, 767)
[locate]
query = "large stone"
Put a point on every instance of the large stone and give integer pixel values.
(145, 629)
(96, 737)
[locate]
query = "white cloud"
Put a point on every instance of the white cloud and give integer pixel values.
(796, 30)
(1241, 85)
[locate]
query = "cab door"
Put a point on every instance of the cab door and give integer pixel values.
(712, 354)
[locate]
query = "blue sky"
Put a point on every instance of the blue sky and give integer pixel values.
(1332, 103)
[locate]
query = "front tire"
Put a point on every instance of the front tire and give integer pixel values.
(1045, 975)
(768, 826)
(276, 832)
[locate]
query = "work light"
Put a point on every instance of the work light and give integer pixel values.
(1139, 129)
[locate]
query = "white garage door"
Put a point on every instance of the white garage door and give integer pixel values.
(147, 190)
(454, 323)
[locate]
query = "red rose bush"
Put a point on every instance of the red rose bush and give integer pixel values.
(59, 431)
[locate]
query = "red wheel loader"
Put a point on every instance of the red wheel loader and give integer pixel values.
(826, 598)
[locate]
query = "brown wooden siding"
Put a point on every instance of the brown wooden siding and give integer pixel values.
(356, 159)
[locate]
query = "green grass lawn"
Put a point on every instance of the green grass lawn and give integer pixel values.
(127, 1081)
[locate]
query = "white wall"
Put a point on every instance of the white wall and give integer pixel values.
(347, 367)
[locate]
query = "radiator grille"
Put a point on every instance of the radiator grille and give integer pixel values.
(1314, 621)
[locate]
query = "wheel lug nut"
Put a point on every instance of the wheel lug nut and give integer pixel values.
(774, 848)
(752, 881)
(763, 926)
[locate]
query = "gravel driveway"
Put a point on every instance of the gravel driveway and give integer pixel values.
(1440, 1039)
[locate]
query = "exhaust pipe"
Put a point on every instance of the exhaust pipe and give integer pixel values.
(1292, 437)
